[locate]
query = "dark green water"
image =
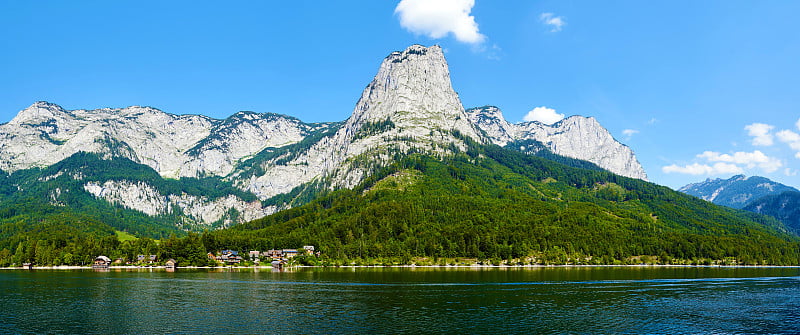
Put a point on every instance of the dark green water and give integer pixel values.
(391, 300)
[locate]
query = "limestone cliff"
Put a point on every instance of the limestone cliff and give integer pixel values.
(576, 137)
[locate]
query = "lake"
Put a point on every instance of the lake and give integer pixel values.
(588, 300)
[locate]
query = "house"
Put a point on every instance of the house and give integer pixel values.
(289, 253)
(309, 249)
(101, 262)
(255, 256)
(170, 264)
(229, 257)
(146, 259)
(274, 254)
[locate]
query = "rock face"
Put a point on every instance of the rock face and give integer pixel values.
(409, 106)
(413, 89)
(174, 145)
(737, 191)
(576, 137)
(146, 199)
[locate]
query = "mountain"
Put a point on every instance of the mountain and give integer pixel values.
(784, 206)
(409, 107)
(187, 147)
(410, 173)
(492, 203)
(735, 192)
(576, 137)
(755, 194)
(173, 145)
(130, 196)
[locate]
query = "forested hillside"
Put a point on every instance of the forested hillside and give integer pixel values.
(488, 204)
(494, 203)
(49, 210)
(784, 207)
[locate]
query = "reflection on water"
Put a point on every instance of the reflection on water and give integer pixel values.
(404, 300)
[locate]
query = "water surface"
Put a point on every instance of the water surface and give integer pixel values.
(579, 300)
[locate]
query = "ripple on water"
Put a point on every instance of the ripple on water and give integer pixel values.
(399, 302)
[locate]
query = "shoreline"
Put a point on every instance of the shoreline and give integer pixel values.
(475, 266)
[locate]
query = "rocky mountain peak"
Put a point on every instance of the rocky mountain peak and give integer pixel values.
(576, 137)
(412, 89)
(46, 105)
(37, 112)
(408, 107)
(490, 119)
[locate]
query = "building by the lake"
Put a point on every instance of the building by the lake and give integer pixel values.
(101, 262)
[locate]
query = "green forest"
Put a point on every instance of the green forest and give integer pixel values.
(496, 204)
(490, 205)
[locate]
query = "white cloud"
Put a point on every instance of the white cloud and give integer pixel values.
(748, 159)
(699, 169)
(555, 22)
(544, 115)
(438, 18)
(755, 162)
(726, 168)
(797, 124)
(653, 121)
(788, 136)
(629, 132)
(760, 133)
(791, 138)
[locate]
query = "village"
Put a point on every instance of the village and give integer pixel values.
(277, 258)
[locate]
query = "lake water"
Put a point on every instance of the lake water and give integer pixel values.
(586, 300)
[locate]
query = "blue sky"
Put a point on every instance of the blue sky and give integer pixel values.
(698, 89)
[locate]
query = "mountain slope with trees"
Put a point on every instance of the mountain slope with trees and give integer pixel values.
(755, 194)
(784, 207)
(487, 203)
(410, 174)
(494, 203)
(735, 192)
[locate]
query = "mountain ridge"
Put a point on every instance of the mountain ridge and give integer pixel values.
(495, 203)
(784, 206)
(409, 107)
(736, 191)
(575, 137)
(410, 173)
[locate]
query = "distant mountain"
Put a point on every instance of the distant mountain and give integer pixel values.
(735, 192)
(784, 207)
